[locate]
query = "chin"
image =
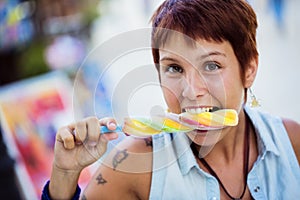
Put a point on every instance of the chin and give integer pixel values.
(205, 138)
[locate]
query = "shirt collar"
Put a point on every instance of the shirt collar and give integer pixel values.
(184, 154)
(262, 129)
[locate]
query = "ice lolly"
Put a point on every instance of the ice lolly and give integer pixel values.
(184, 122)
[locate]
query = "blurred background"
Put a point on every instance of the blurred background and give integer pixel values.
(51, 72)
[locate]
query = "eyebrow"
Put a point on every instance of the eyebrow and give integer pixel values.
(168, 59)
(213, 53)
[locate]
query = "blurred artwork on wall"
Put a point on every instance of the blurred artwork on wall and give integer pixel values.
(31, 112)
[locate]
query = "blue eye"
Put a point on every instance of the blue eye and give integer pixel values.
(174, 69)
(212, 67)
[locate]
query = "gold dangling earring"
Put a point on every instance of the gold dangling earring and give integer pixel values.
(254, 101)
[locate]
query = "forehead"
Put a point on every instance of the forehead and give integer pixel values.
(186, 48)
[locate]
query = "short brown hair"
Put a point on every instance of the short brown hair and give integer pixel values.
(213, 20)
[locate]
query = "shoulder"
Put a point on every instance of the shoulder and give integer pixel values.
(133, 155)
(125, 173)
(293, 129)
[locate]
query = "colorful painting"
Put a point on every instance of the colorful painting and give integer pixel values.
(31, 112)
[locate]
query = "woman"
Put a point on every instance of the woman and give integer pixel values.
(206, 57)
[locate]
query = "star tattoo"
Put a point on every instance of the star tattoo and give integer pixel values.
(100, 180)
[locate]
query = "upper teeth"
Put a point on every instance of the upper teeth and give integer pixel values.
(198, 110)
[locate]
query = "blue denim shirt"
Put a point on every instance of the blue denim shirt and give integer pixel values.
(274, 175)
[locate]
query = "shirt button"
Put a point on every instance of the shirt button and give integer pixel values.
(213, 198)
(257, 189)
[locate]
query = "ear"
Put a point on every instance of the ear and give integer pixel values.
(250, 72)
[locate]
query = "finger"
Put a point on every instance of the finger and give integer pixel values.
(65, 136)
(110, 123)
(80, 131)
(93, 129)
(109, 136)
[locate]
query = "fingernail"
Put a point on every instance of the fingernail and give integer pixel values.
(112, 125)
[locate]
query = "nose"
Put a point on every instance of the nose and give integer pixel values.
(194, 85)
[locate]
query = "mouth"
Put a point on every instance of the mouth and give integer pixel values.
(202, 109)
(206, 118)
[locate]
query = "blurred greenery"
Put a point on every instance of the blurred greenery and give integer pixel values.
(32, 61)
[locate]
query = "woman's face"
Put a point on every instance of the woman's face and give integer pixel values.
(197, 77)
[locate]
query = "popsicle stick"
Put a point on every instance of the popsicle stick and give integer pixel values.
(104, 129)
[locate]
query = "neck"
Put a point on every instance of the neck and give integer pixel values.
(228, 149)
(241, 163)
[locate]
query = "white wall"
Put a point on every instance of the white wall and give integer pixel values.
(278, 80)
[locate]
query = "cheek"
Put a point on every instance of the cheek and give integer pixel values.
(226, 89)
(217, 88)
(234, 93)
(172, 98)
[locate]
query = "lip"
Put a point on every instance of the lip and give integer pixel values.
(202, 133)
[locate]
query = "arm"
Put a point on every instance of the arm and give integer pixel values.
(125, 173)
(293, 129)
(77, 146)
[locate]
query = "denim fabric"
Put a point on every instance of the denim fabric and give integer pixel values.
(274, 175)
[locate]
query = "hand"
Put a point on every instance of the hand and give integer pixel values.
(81, 144)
